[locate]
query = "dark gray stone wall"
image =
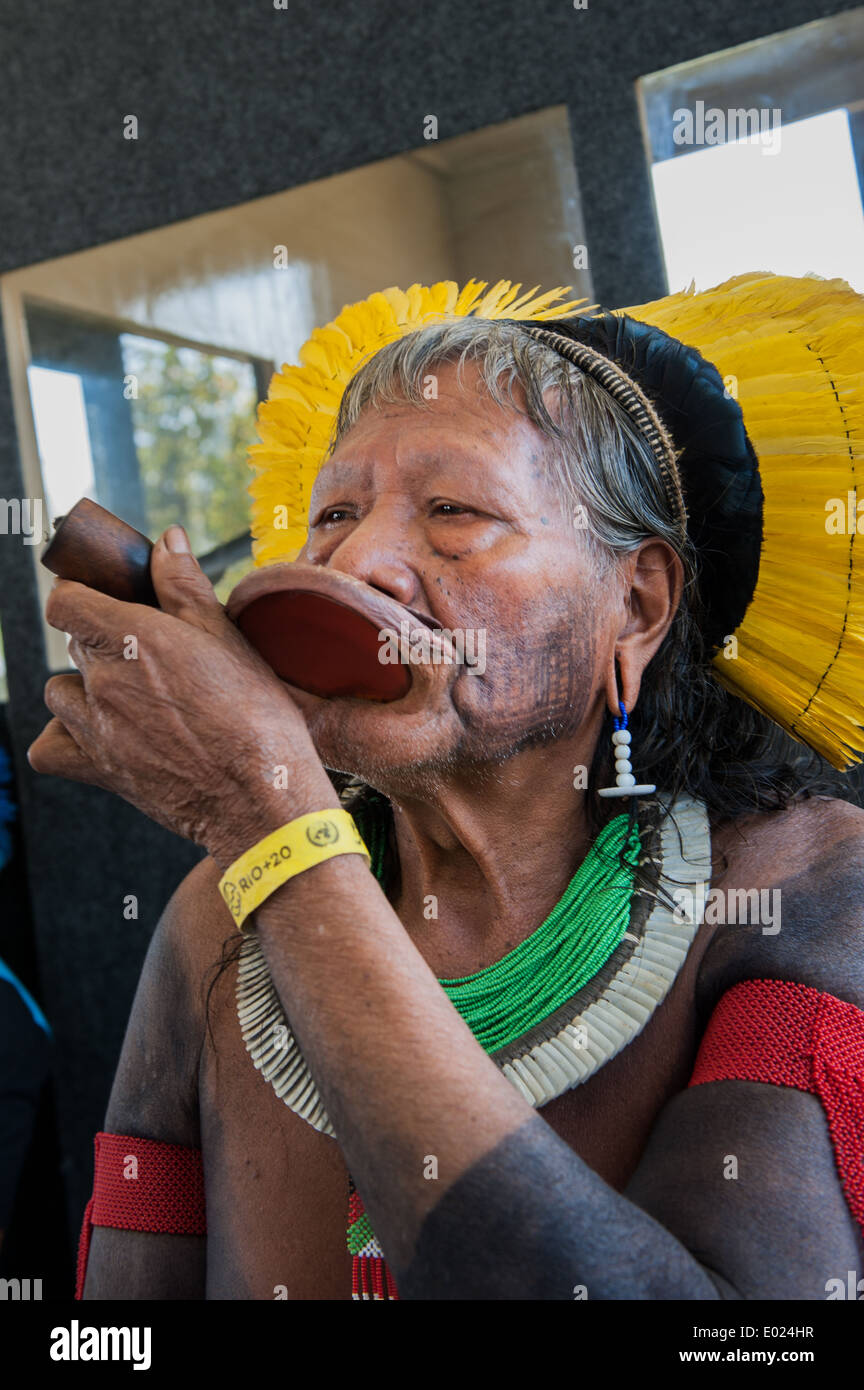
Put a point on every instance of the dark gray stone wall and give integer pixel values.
(236, 100)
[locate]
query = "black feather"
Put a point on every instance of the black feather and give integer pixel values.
(718, 465)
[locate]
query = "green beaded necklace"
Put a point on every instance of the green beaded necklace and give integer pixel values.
(505, 1000)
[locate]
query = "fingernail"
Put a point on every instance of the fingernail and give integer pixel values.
(177, 541)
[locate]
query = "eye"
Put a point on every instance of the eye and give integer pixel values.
(332, 515)
(452, 509)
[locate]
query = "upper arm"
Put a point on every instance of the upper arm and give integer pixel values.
(155, 1090)
(742, 1172)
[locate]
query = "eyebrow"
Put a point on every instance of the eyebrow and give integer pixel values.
(341, 472)
(336, 473)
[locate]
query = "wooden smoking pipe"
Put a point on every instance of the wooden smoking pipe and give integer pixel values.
(94, 547)
(317, 628)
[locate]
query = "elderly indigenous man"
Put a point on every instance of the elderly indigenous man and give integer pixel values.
(551, 1072)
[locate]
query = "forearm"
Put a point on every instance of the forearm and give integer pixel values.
(513, 1212)
(145, 1265)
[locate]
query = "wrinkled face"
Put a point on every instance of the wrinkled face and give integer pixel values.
(448, 510)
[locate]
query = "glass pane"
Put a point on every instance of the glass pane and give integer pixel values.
(733, 208)
(193, 417)
(757, 156)
(62, 436)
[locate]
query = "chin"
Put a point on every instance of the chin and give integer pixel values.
(404, 750)
(444, 723)
(385, 744)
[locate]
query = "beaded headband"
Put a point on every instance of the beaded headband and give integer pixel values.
(612, 377)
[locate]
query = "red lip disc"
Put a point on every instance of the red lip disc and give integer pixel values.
(322, 646)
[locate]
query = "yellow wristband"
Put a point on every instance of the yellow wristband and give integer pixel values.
(299, 845)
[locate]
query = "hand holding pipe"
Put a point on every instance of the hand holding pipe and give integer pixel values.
(317, 628)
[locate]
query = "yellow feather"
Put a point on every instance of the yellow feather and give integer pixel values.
(794, 346)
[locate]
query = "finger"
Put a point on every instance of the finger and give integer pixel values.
(56, 753)
(182, 587)
(97, 621)
(66, 697)
(79, 653)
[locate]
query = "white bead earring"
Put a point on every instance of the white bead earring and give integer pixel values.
(625, 782)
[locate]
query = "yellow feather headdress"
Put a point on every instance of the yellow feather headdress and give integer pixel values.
(790, 350)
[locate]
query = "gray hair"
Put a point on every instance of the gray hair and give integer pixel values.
(598, 461)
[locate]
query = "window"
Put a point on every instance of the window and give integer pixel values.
(154, 430)
(757, 157)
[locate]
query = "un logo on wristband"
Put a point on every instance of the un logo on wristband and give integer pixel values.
(322, 834)
(233, 898)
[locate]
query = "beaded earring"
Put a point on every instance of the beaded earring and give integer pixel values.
(625, 782)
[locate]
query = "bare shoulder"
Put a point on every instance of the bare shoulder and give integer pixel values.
(787, 901)
(195, 924)
(155, 1091)
(812, 825)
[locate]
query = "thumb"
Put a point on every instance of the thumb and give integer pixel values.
(182, 587)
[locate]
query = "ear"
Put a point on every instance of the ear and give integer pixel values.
(653, 583)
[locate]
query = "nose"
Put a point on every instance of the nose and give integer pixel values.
(382, 551)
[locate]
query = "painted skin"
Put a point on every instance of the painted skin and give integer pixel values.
(277, 1190)
(498, 554)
